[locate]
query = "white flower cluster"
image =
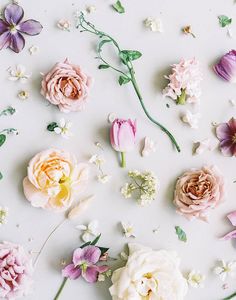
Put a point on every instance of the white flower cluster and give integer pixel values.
(144, 185)
(3, 215)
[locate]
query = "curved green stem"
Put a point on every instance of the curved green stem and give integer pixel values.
(230, 297)
(60, 289)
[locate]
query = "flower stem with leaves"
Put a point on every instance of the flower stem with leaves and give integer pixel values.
(127, 57)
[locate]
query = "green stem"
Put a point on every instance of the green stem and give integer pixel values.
(60, 289)
(230, 297)
(123, 160)
(182, 98)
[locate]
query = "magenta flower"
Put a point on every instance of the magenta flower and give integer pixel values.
(226, 134)
(12, 27)
(226, 68)
(84, 263)
(123, 136)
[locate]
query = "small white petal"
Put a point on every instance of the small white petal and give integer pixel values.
(81, 227)
(111, 117)
(86, 237)
(58, 130)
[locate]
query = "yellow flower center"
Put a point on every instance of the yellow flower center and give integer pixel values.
(234, 138)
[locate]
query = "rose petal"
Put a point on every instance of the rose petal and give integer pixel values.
(5, 39)
(232, 218)
(30, 27)
(13, 14)
(71, 272)
(229, 236)
(17, 42)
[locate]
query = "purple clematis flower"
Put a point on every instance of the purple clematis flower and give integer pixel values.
(226, 68)
(84, 264)
(12, 27)
(226, 134)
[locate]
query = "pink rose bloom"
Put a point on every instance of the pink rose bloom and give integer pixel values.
(198, 191)
(67, 86)
(15, 271)
(53, 179)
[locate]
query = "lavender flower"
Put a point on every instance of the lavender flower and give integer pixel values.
(226, 134)
(12, 27)
(226, 68)
(84, 263)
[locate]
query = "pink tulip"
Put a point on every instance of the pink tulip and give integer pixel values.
(123, 137)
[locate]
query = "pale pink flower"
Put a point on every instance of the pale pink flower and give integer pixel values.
(67, 86)
(53, 179)
(197, 191)
(184, 82)
(15, 271)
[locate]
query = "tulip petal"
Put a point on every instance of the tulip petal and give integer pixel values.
(13, 14)
(232, 218)
(229, 236)
(3, 26)
(17, 42)
(5, 40)
(126, 137)
(34, 195)
(71, 272)
(30, 27)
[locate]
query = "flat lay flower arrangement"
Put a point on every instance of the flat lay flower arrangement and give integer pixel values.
(118, 145)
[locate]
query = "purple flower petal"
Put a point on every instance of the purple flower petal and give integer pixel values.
(30, 27)
(91, 274)
(3, 26)
(17, 42)
(232, 125)
(226, 68)
(229, 236)
(5, 40)
(227, 148)
(232, 218)
(89, 254)
(72, 272)
(223, 131)
(13, 14)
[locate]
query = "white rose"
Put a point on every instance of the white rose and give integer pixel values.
(149, 275)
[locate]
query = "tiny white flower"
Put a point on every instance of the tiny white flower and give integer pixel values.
(103, 178)
(33, 50)
(111, 117)
(3, 215)
(191, 119)
(203, 146)
(225, 269)
(90, 9)
(89, 231)
(96, 160)
(195, 279)
(101, 277)
(18, 73)
(128, 229)
(149, 146)
(230, 32)
(63, 128)
(23, 95)
(154, 25)
(64, 24)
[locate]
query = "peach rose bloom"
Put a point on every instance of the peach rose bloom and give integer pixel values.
(198, 191)
(53, 179)
(67, 86)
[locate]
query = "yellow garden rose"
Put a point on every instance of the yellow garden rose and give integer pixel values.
(53, 179)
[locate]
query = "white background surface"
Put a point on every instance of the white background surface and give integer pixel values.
(159, 51)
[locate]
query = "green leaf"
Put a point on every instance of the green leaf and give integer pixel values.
(123, 79)
(181, 234)
(100, 67)
(101, 44)
(224, 21)
(119, 7)
(1, 176)
(52, 126)
(103, 250)
(94, 242)
(2, 139)
(86, 244)
(129, 55)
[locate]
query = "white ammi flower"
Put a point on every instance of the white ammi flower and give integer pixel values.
(191, 119)
(196, 279)
(225, 269)
(3, 215)
(18, 73)
(90, 231)
(64, 128)
(149, 275)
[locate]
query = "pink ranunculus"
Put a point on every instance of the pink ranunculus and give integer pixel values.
(67, 86)
(197, 191)
(53, 179)
(15, 271)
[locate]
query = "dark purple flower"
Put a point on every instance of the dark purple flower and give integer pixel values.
(84, 263)
(12, 27)
(226, 68)
(226, 134)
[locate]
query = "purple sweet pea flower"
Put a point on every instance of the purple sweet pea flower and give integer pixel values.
(84, 264)
(226, 68)
(12, 27)
(226, 134)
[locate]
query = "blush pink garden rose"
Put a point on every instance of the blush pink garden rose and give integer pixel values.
(197, 191)
(67, 86)
(15, 271)
(53, 179)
